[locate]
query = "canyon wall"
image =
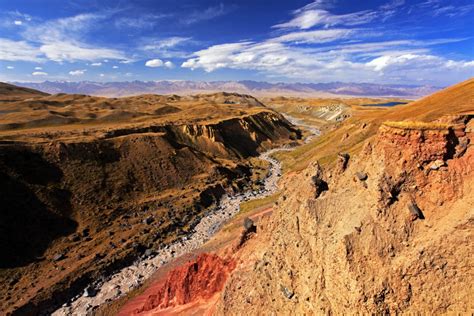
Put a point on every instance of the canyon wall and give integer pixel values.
(389, 231)
(75, 208)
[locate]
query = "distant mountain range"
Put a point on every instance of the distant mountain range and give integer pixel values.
(258, 88)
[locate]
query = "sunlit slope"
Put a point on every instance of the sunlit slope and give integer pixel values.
(454, 100)
(364, 122)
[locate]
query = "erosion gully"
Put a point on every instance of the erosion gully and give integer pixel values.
(133, 276)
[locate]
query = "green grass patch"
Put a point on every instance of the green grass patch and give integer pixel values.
(249, 206)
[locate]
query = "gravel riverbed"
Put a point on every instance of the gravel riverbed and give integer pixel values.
(133, 276)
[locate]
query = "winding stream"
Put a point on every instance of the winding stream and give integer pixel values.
(133, 276)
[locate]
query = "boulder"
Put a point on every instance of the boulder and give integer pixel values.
(148, 252)
(437, 164)
(249, 224)
(362, 176)
(58, 257)
(343, 160)
(415, 211)
(148, 220)
(249, 230)
(286, 292)
(75, 237)
(85, 232)
(89, 292)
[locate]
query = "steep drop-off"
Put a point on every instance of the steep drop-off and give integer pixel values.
(387, 231)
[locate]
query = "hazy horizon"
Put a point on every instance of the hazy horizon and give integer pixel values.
(217, 81)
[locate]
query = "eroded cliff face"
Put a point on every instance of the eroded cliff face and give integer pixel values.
(197, 280)
(390, 231)
(95, 203)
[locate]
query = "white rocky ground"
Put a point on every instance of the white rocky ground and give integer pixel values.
(131, 277)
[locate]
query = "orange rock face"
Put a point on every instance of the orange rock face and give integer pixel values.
(199, 279)
(429, 162)
(413, 146)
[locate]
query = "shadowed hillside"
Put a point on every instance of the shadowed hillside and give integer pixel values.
(96, 182)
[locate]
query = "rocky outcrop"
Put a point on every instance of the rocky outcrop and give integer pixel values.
(400, 243)
(235, 137)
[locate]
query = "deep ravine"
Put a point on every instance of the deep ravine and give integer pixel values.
(133, 276)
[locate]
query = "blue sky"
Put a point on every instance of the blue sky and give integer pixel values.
(390, 41)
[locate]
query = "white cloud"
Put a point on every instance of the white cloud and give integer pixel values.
(61, 39)
(63, 29)
(18, 51)
(221, 56)
(416, 62)
(392, 4)
(317, 36)
(144, 21)
(96, 64)
(18, 16)
(165, 43)
(453, 10)
(154, 63)
(59, 51)
(38, 68)
(379, 48)
(17, 22)
(66, 51)
(102, 75)
(10, 67)
(318, 14)
(356, 55)
(247, 55)
(277, 60)
(78, 72)
(171, 47)
(168, 64)
(207, 14)
(115, 67)
(308, 18)
(39, 73)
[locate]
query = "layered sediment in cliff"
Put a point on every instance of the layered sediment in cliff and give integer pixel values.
(97, 201)
(388, 231)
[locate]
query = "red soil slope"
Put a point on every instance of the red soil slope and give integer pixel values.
(196, 280)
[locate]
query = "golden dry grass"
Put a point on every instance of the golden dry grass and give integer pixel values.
(364, 122)
(416, 125)
(456, 99)
(76, 114)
